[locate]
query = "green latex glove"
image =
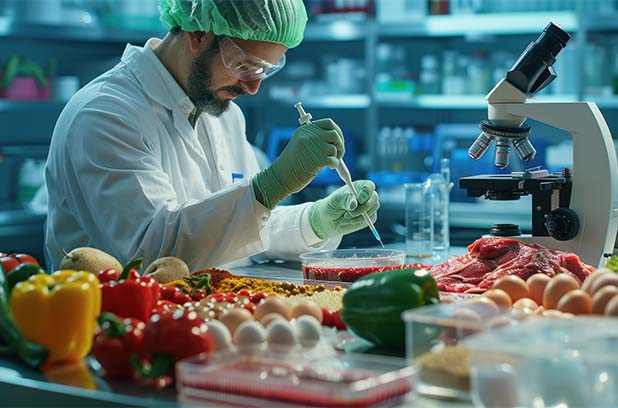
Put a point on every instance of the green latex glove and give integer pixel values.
(312, 147)
(340, 213)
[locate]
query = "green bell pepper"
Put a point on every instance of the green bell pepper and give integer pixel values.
(20, 274)
(373, 304)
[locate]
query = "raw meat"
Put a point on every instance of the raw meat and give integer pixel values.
(491, 258)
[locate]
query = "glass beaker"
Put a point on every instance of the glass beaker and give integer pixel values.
(418, 222)
(435, 195)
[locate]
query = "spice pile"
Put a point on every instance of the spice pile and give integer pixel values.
(222, 281)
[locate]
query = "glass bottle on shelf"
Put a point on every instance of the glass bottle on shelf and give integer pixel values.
(429, 76)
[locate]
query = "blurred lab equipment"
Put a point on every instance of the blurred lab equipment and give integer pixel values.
(418, 222)
(64, 87)
(574, 210)
(278, 138)
(436, 197)
(342, 171)
(390, 11)
(31, 178)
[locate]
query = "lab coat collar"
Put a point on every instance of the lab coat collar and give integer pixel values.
(158, 83)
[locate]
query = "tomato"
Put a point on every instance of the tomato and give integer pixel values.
(327, 318)
(198, 294)
(8, 264)
(244, 292)
(337, 321)
(25, 258)
(13, 260)
(257, 297)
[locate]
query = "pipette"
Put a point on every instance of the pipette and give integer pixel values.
(342, 171)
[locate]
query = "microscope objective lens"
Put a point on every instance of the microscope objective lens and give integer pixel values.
(480, 145)
(501, 159)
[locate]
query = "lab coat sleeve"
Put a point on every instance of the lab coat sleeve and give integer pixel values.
(291, 234)
(130, 209)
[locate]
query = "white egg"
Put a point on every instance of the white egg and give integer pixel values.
(280, 334)
(220, 334)
(308, 330)
(249, 333)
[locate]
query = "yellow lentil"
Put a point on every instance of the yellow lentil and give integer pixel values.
(237, 283)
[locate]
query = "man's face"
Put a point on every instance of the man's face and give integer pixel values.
(210, 84)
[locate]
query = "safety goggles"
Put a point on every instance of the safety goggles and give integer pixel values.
(244, 66)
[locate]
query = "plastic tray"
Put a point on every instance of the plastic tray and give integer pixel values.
(347, 265)
(433, 334)
(546, 363)
(273, 378)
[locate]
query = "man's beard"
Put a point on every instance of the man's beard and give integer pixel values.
(199, 82)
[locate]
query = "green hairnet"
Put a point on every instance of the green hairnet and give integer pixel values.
(277, 21)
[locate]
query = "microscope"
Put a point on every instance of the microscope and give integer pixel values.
(576, 209)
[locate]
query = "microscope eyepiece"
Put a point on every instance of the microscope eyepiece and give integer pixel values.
(533, 69)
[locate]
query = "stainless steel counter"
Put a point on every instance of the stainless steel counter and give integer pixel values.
(21, 386)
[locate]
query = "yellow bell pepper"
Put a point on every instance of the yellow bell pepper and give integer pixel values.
(58, 311)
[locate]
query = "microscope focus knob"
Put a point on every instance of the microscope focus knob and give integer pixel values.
(562, 224)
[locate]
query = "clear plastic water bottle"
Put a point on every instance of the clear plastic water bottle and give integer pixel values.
(436, 195)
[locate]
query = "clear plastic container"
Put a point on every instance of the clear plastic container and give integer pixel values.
(347, 265)
(277, 378)
(546, 363)
(433, 335)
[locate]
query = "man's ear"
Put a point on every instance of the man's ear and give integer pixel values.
(199, 40)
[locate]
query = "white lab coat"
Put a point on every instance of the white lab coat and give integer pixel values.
(127, 174)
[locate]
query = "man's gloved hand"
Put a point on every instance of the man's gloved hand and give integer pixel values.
(312, 147)
(340, 213)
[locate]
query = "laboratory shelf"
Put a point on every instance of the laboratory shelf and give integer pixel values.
(610, 102)
(478, 24)
(339, 30)
(87, 32)
(353, 101)
(458, 101)
(91, 31)
(607, 22)
(8, 105)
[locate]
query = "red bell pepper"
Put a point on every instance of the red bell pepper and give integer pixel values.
(171, 337)
(114, 343)
(129, 295)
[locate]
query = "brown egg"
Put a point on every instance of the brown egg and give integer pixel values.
(232, 318)
(576, 302)
(500, 297)
(526, 305)
(587, 285)
(602, 298)
(272, 304)
(557, 287)
(536, 284)
(555, 314)
(465, 322)
(612, 307)
(269, 318)
(605, 279)
(514, 286)
(307, 307)
(483, 306)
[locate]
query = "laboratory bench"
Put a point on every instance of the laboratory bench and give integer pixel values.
(80, 385)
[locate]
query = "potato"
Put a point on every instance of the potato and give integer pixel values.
(167, 269)
(90, 260)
